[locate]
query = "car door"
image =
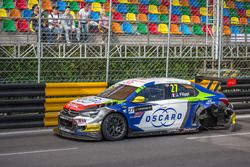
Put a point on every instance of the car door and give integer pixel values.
(169, 107)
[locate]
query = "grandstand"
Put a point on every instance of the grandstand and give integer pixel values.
(216, 34)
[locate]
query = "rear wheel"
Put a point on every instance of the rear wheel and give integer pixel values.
(114, 127)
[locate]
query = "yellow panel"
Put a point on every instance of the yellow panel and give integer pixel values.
(176, 3)
(74, 84)
(54, 107)
(73, 91)
(53, 115)
(59, 100)
(51, 119)
(213, 85)
(56, 104)
(50, 123)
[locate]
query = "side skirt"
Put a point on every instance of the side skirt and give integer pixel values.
(155, 133)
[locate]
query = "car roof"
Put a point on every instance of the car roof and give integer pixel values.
(138, 82)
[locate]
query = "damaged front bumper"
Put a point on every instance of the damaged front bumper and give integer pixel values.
(94, 135)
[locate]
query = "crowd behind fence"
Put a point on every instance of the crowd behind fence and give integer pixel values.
(100, 41)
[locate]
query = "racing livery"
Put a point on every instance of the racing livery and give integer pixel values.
(144, 106)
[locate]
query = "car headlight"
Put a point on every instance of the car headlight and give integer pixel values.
(91, 114)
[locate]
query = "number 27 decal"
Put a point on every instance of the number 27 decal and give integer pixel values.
(174, 88)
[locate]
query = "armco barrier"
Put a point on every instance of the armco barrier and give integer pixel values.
(33, 105)
(239, 95)
(237, 92)
(58, 94)
(21, 105)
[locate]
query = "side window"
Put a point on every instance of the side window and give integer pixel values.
(153, 93)
(179, 90)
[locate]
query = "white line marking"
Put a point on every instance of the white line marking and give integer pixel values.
(217, 136)
(38, 151)
(242, 116)
(26, 132)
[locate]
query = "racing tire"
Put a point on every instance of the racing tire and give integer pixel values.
(114, 127)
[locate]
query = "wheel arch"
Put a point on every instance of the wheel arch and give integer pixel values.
(112, 111)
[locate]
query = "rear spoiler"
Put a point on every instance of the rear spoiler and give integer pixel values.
(214, 83)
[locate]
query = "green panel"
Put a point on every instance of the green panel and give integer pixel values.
(154, 2)
(164, 18)
(202, 3)
(101, 1)
(8, 26)
(233, 13)
(141, 28)
(197, 30)
(247, 5)
(185, 11)
(132, 9)
(247, 29)
(8, 4)
(74, 6)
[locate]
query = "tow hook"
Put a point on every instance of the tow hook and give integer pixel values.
(233, 122)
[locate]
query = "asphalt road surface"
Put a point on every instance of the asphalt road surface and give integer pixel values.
(40, 148)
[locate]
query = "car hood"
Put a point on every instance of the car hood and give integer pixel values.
(86, 102)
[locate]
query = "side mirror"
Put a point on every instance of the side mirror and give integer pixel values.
(139, 99)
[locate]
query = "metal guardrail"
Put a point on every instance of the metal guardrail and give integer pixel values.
(37, 105)
(21, 105)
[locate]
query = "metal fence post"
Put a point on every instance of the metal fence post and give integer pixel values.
(169, 26)
(220, 37)
(108, 44)
(39, 44)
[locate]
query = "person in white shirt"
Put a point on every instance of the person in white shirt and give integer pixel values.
(68, 24)
(103, 24)
(83, 22)
(55, 26)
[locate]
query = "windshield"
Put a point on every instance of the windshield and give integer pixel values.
(118, 92)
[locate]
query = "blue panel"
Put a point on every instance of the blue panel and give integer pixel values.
(127, 28)
(121, 8)
(194, 3)
(61, 5)
(94, 16)
(226, 12)
(235, 30)
(144, 2)
(176, 10)
(27, 14)
(239, 5)
(153, 18)
(185, 29)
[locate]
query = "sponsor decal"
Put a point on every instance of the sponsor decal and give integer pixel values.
(92, 127)
(132, 110)
(164, 117)
(208, 102)
(91, 100)
(138, 114)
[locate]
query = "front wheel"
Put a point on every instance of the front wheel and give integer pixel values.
(114, 127)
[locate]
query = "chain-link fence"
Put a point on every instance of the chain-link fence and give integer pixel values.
(55, 41)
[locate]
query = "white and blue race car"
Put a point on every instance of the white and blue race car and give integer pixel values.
(144, 106)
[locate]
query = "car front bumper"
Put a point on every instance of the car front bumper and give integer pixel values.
(94, 136)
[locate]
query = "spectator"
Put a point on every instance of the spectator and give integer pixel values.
(35, 21)
(103, 24)
(69, 25)
(83, 22)
(35, 16)
(55, 26)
